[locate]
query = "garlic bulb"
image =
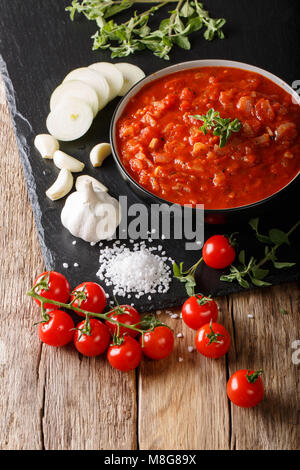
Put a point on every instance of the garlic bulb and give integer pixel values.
(91, 214)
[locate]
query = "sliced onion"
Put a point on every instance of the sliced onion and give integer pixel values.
(70, 120)
(95, 80)
(112, 75)
(131, 74)
(75, 89)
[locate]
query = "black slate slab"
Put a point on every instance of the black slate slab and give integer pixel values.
(39, 45)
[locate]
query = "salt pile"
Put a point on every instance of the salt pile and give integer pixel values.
(141, 270)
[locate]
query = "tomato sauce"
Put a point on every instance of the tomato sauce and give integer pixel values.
(163, 149)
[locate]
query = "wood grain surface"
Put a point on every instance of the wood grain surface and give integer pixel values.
(55, 399)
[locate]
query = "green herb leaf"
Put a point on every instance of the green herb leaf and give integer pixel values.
(283, 311)
(281, 265)
(262, 238)
(135, 34)
(278, 237)
(183, 42)
(221, 127)
(254, 270)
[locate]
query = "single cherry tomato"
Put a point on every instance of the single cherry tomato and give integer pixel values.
(95, 342)
(212, 340)
(198, 310)
(91, 297)
(217, 252)
(58, 288)
(125, 356)
(245, 388)
(58, 330)
(158, 343)
(124, 314)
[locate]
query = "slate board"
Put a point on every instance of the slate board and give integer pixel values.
(39, 45)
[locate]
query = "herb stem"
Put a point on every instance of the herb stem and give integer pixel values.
(173, 17)
(70, 306)
(275, 247)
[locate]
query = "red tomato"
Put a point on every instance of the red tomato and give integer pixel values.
(96, 342)
(197, 312)
(130, 316)
(92, 297)
(58, 288)
(125, 356)
(58, 331)
(212, 340)
(245, 388)
(158, 343)
(217, 252)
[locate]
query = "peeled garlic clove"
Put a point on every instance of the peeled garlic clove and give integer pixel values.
(63, 160)
(62, 185)
(46, 144)
(99, 153)
(97, 185)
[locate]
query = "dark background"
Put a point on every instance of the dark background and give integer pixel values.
(39, 45)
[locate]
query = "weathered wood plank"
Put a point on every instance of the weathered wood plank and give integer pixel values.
(49, 398)
(183, 405)
(21, 386)
(265, 342)
(88, 405)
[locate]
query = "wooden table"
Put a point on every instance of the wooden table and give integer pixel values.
(55, 399)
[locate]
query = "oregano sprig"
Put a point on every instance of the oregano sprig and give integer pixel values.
(252, 270)
(123, 39)
(187, 277)
(222, 128)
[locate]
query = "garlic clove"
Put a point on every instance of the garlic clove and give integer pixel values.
(80, 181)
(63, 160)
(62, 185)
(99, 153)
(46, 144)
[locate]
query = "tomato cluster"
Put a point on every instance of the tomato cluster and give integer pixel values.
(92, 336)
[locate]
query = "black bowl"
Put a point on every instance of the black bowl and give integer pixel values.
(283, 199)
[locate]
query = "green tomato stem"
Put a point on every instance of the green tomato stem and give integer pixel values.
(70, 306)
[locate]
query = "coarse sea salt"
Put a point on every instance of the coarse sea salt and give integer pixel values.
(141, 270)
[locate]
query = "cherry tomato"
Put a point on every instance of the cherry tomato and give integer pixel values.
(130, 316)
(245, 388)
(158, 343)
(58, 288)
(125, 356)
(212, 340)
(93, 298)
(96, 342)
(217, 252)
(196, 312)
(58, 331)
